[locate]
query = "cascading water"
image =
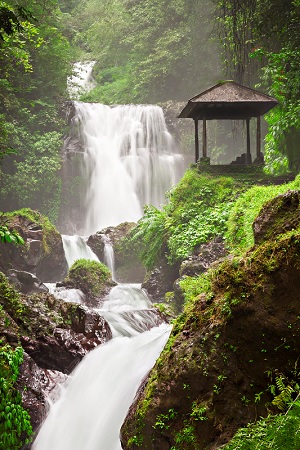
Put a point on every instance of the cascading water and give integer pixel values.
(129, 160)
(76, 248)
(95, 401)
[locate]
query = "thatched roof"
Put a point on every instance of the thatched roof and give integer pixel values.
(228, 100)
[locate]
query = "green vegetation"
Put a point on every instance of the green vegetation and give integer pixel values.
(15, 427)
(239, 234)
(202, 207)
(34, 61)
(262, 46)
(92, 277)
(10, 299)
(273, 432)
(197, 212)
(7, 235)
(150, 51)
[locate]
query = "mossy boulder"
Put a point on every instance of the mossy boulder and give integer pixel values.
(93, 278)
(238, 334)
(42, 254)
(279, 215)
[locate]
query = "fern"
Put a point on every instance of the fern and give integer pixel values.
(284, 399)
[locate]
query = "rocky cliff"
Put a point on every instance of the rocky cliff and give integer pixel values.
(238, 335)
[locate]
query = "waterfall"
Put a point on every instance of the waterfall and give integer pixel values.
(81, 80)
(129, 160)
(76, 248)
(95, 400)
(109, 255)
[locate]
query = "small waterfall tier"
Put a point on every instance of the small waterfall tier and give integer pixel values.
(128, 160)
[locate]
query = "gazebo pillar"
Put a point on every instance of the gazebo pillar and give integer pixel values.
(204, 139)
(248, 142)
(196, 141)
(258, 137)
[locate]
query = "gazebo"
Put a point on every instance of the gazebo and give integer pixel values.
(228, 100)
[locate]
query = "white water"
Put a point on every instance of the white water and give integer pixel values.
(109, 255)
(76, 248)
(130, 160)
(81, 80)
(94, 404)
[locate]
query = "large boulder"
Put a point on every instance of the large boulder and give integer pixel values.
(128, 268)
(160, 280)
(279, 215)
(93, 279)
(239, 333)
(43, 253)
(25, 282)
(56, 334)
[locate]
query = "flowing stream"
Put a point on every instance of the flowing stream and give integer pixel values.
(128, 161)
(95, 400)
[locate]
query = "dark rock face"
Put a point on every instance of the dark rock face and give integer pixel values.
(214, 376)
(59, 334)
(197, 264)
(127, 266)
(203, 258)
(25, 282)
(279, 215)
(55, 336)
(37, 386)
(160, 280)
(42, 254)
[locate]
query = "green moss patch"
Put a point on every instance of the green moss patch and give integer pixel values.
(93, 278)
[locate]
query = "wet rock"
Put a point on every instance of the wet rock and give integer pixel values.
(160, 280)
(277, 216)
(37, 387)
(25, 282)
(42, 254)
(63, 333)
(128, 268)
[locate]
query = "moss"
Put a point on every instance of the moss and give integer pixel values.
(10, 299)
(246, 208)
(15, 219)
(92, 277)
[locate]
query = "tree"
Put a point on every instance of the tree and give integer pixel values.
(267, 32)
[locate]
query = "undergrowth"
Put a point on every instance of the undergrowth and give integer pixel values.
(239, 234)
(274, 432)
(202, 207)
(15, 427)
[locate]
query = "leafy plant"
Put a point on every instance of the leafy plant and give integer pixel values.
(273, 432)
(7, 235)
(15, 427)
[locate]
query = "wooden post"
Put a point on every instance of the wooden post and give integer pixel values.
(258, 137)
(196, 141)
(204, 140)
(248, 142)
